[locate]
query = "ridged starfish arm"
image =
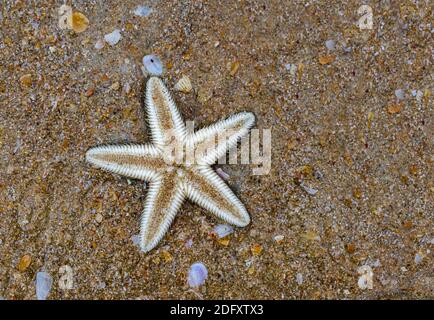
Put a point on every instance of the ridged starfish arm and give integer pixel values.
(163, 200)
(221, 136)
(135, 161)
(164, 119)
(209, 191)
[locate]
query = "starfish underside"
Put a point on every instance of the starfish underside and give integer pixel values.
(171, 182)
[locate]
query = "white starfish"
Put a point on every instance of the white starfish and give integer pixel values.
(170, 182)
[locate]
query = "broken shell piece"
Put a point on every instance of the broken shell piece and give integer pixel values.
(43, 285)
(153, 64)
(197, 274)
(99, 45)
(366, 278)
(184, 85)
(142, 11)
(113, 38)
(222, 174)
(222, 230)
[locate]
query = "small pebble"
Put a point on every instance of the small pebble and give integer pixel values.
(43, 285)
(113, 38)
(79, 22)
(197, 275)
(142, 11)
(153, 64)
(330, 44)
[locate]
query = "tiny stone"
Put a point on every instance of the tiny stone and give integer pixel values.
(418, 258)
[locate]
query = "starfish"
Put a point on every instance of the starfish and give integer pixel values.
(172, 179)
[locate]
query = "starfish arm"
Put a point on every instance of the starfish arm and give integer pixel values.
(164, 119)
(134, 161)
(208, 190)
(227, 133)
(163, 200)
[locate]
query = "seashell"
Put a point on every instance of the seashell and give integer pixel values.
(197, 274)
(153, 64)
(113, 38)
(142, 11)
(222, 174)
(43, 285)
(366, 277)
(184, 85)
(222, 230)
(79, 22)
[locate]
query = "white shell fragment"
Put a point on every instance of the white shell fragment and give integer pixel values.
(330, 45)
(197, 274)
(222, 174)
(136, 239)
(99, 44)
(43, 285)
(309, 190)
(113, 38)
(184, 85)
(153, 64)
(366, 277)
(142, 11)
(399, 93)
(299, 279)
(223, 230)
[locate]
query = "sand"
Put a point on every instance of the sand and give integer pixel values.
(351, 180)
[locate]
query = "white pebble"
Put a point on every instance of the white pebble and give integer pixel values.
(197, 275)
(142, 11)
(330, 44)
(113, 38)
(223, 230)
(43, 285)
(99, 44)
(399, 93)
(299, 279)
(153, 64)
